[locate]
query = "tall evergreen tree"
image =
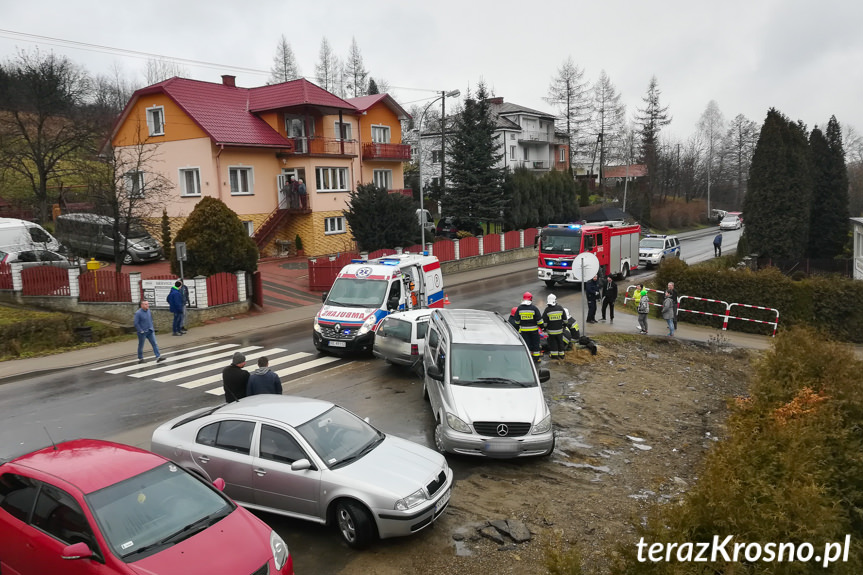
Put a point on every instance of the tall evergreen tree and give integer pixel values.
(475, 182)
(829, 217)
(608, 119)
(285, 65)
(373, 87)
(569, 93)
(355, 72)
(368, 206)
(649, 121)
(778, 202)
(740, 143)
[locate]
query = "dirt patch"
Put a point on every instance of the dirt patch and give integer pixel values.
(633, 424)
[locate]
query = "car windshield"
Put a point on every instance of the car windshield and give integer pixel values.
(158, 508)
(339, 437)
(351, 292)
(554, 242)
(491, 365)
(652, 243)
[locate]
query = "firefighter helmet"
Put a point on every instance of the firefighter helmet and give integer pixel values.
(552, 299)
(515, 309)
(527, 296)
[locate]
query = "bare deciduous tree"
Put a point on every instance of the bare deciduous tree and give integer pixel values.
(569, 92)
(158, 69)
(328, 68)
(740, 141)
(285, 67)
(711, 126)
(356, 75)
(607, 119)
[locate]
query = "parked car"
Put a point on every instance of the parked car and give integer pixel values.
(92, 235)
(730, 222)
(653, 249)
(21, 235)
(96, 507)
(483, 387)
(312, 460)
(399, 337)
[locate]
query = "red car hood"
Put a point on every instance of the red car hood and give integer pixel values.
(239, 544)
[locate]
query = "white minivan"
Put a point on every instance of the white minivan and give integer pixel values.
(21, 235)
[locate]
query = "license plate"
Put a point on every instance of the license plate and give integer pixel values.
(442, 501)
(499, 447)
(337, 344)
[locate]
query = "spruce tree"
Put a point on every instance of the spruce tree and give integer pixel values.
(829, 218)
(370, 205)
(475, 190)
(166, 232)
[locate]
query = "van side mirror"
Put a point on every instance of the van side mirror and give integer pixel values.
(435, 373)
(544, 375)
(324, 296)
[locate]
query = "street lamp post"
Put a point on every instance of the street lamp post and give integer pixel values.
(451, 94)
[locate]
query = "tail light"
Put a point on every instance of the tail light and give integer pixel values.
(415, 349)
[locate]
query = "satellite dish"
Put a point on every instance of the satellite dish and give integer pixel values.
(588, 263)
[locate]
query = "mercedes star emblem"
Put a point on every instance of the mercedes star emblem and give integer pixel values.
(502, 430)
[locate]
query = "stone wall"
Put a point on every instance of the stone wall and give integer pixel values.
(487, 260)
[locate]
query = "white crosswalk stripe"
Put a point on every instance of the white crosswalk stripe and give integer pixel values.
(200, 367)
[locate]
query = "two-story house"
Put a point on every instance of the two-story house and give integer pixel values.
(527, 139)
(247, 147)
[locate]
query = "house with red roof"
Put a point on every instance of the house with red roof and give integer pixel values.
(251, 148)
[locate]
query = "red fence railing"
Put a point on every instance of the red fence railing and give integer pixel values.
(381, 253)
(45, 280)
(222, 288)
(468, 247)
(104, 285)
(444, 250)
(414, 249)
(490, 243)
(5, 276)
(511, 240)
(529, 237)
(323, 270)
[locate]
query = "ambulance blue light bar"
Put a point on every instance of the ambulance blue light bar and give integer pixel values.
(358, 261)
(389, 262)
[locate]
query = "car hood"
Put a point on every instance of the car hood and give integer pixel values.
(396, 465)
(517, 404)
(213, 550)
(147, 242)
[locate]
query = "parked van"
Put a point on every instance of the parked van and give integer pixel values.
(483, 387)
(92, 235)
(21, 235)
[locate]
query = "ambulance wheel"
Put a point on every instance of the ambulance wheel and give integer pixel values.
(550, 283)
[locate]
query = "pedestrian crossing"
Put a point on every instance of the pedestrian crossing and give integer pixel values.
(200, 367)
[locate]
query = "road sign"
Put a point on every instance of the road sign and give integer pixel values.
(180, 247)
(584, 267)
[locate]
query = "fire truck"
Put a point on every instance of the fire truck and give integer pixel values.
(614, 244)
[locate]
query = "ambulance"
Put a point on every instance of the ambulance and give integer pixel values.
(366, 291)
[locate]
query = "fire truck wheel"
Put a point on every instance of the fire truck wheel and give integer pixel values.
(624, 273)
(549, 283)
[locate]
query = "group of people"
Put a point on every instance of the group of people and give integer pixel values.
(669, 307)
(604, 291)
(297, 196)
(239, 383)
(555, 320)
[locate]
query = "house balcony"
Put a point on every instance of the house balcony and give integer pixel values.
(320, 147)
(537, 136)
(394, 152)
(531, 164)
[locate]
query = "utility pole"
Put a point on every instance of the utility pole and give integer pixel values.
(442, 142)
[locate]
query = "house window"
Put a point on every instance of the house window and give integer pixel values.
(156, 121)
(563, 154)
(512, 136)
(334, 225)
(331, 179)
(526, 154)
(383, 179)
(249, 226)
(435, 182)
(512, 152)
(381, 134)
(190, 182)
(135, 184)
(241, 181)
(436, 156)
(343, 131)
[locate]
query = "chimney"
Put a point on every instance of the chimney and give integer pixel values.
(489, 100)
(229, 80)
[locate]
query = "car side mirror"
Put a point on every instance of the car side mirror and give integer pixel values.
(324, 296)
(544, 375)
(77, 551)
(219, 484)
(434, 372)
(301, 465)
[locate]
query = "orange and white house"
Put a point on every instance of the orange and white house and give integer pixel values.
(247, 147)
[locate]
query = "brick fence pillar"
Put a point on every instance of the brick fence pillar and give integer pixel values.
(457, 252)
(74, 286)
(17, 284)
(201, 291)
(135, 286)
(241, 286)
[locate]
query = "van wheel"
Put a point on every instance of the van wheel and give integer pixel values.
(127, 259)
(550, 283)
(438, 438)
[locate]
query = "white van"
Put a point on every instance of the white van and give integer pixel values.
(21, 235)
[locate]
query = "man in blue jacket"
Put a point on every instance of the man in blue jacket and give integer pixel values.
(144, 329)
(263, 379)
(176, 304)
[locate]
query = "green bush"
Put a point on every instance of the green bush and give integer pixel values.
(24, 332)
(215, 242)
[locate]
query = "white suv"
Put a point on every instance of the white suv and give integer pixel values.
(654, 248)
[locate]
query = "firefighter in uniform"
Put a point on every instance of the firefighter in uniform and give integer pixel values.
(554, 318)
(529, 320)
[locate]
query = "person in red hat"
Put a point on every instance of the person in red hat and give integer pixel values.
(529, 319)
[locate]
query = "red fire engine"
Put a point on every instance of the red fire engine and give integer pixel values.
(614, 244)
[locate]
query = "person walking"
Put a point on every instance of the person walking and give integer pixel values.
(717, 245)
(554, 317)
(593, 291)
(529, 320)
(609, 296)
(235, 379)
(144, 327)
(668, 312)
(643, 310)
(175, 304)
(674, 298)
(263, 379)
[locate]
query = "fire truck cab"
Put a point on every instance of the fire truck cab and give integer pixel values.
(614, 244)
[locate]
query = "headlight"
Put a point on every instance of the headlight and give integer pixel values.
(457, 424)
(279, 549)
(411, 500)
(368, 325)
(543, 426)
(315, 326)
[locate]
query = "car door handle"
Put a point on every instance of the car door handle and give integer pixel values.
(260, 472)
(203, 458)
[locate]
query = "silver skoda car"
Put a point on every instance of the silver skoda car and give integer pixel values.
(312, 460)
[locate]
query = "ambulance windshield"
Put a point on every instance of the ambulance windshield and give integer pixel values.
(352, 292)
(560, 241)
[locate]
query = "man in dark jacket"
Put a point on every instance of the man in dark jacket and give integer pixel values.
(235, 379)
(554, 318)
(671, 289)
(175, 303)
(592, 288)
(609, 296)
(263, 379)
(529, 320)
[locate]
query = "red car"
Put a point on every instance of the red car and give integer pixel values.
(96, 507)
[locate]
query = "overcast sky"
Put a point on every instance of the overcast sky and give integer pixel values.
(803, 57)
